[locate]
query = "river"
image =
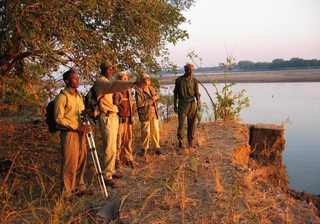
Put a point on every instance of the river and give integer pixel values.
(296, 106)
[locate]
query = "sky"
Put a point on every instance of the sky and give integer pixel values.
(254, 30)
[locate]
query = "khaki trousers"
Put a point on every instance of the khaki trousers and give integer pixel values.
(124, 141)
(150, 130)
(74, 159)
(109, 126)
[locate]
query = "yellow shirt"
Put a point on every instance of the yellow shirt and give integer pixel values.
(67, 109)
(105, 89)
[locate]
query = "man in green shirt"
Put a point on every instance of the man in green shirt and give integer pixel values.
(186, 92)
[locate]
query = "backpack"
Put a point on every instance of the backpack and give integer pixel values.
(91, 104)
(50, 121)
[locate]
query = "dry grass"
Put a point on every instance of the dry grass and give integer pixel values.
(208, 185)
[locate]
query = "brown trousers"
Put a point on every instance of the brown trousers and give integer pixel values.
(74, 159)
(124, 142)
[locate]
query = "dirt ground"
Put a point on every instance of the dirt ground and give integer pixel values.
(212, 184)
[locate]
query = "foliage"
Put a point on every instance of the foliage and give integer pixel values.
(17, 95)
(166, 109)
(229, 104)
(54, 35)
(276, 64)
(279, 63)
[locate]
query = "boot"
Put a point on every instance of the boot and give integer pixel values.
(130, 164)
(191, 144)
(142, 153)
(180, 143)
(118, 164)
(158, 151)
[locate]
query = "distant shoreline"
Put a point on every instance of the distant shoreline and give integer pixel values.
(255, 77)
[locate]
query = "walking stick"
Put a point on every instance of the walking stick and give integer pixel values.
(94, 154)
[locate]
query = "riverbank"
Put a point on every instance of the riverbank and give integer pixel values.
(305, 75)
(214, 184)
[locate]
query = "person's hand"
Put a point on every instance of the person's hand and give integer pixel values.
(175, 108)
(199, 104)
(155, 98)
(133, 120)
(84, 128)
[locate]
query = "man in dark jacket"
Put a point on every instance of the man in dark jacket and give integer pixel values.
(186, 92)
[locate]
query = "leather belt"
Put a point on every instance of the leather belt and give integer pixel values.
(188, 100)
(124, 120)
(108, 113)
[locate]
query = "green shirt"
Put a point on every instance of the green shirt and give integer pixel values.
(186, 89)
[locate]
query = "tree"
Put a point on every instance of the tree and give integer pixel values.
(277, 63)
(297, 62)
(37, 37)
(246, 64)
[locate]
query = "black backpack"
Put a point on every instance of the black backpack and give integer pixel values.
(50, 121)
(91, 104)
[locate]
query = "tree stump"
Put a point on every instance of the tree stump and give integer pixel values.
(267, 143)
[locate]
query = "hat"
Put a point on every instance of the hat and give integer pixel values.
(146, 76)
(122, 73)
(107, 64)
(188, 66)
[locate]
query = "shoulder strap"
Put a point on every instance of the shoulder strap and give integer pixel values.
(151, 90)
(63, 93)
(121, 96)
(95, 94)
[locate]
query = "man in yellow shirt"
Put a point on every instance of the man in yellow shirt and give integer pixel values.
(67, 109)
(108, 119)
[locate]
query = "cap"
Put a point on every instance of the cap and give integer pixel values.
(107, 64)
(145, 76)
(122, 73)
(188, 66)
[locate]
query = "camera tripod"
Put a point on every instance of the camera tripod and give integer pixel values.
(94, 154)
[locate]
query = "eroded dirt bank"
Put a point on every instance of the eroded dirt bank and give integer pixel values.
(218, 183)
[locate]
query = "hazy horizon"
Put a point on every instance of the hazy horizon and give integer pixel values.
(254, 30)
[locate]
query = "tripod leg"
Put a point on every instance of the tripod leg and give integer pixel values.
(99, 173)
(96, 163)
